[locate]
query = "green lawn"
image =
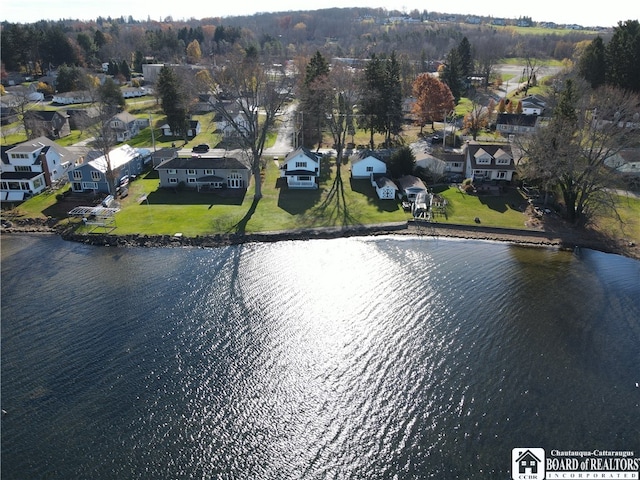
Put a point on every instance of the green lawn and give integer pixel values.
(338, 202)
(165, 212)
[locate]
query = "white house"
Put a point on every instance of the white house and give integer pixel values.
(32, 166)
(237, 126)
(410, 186)
(69, 98)
(533, 105)
(301, 168)
(454, 164)
(625, 162)
(385, 188)
(366, 164)
(489, 162)
(133, 92)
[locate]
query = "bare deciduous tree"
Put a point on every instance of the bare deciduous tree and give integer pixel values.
(570, 154)
(259, 92)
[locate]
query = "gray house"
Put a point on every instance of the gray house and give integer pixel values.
(205, 171)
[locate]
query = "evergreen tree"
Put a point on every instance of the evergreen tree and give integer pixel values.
(382, 98)
(315, 99)
(623, 56)
(124, 70)
(592, 64)
(451, 74)
(371, 104)
(466, 59)
(172, 101)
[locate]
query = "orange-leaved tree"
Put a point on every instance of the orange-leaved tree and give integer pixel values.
(434, 100)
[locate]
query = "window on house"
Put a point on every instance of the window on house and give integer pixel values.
(209, 171)
(301, 164)
(502, 174)
(95, 175)
(23, 168)
(171, 171)
(304, 178)
(77, 175)
(369, 169)
(191, 171)
(191, 180)
(173, 180)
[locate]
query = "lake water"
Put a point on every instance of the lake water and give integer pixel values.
(363, 358)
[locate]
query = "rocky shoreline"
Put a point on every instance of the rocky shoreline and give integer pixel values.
(568, 239)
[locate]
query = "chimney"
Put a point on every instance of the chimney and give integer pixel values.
(45, 168)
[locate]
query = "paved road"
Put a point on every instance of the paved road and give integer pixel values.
(284, 140)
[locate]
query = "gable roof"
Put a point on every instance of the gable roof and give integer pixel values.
(125, 117)
(526, 455)
(43, 144)
(495, 150)
(302, 151)
(517, 119)
(203, 162)
(117, 158)
(364, 154)
(46, 115)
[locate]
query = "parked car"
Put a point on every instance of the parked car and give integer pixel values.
(202, 148)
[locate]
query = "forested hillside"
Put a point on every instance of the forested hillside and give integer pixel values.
(417, 39)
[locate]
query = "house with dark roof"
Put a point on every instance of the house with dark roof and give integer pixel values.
(194, 127)
(204, 171)
(301, 168)
(49, 123)
(454, 165)
(489, 162)
(30, 167)
(515, 123)
(533, 105)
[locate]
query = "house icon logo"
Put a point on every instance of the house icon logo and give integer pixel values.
(527, 464)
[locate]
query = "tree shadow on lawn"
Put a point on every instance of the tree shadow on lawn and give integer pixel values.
(171, 196)
(364, 187)
(297, 201)
(240, 228)
(503, 202)
(333, 209)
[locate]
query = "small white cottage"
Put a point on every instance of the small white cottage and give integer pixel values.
(366, 164)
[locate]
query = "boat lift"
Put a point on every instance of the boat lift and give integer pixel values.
(98, 217)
